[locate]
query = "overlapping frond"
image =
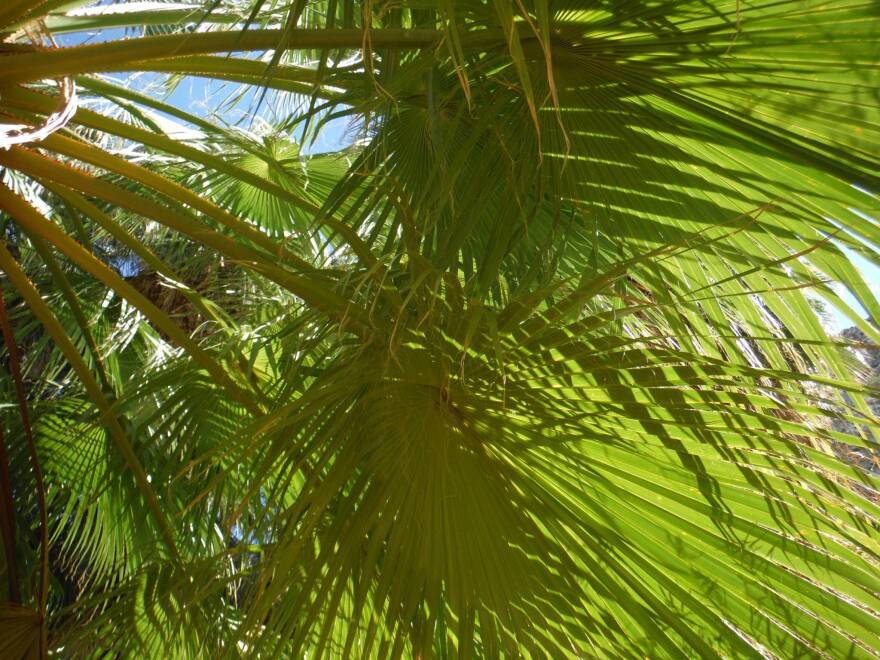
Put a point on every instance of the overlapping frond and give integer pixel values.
(533, 369)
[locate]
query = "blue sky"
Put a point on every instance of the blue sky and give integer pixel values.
(871, 273)
(204, 97)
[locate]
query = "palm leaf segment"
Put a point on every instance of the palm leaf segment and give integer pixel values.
(558, 389)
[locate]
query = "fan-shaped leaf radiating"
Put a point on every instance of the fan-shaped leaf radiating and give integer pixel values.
(536, 367)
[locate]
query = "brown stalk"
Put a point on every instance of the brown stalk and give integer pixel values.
(7, 521)
(15, 369)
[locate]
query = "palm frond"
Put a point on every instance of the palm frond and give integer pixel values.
(533, 369)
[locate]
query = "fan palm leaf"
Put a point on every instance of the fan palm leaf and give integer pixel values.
(534, 369)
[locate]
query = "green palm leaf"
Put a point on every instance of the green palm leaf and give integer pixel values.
(534, 369)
